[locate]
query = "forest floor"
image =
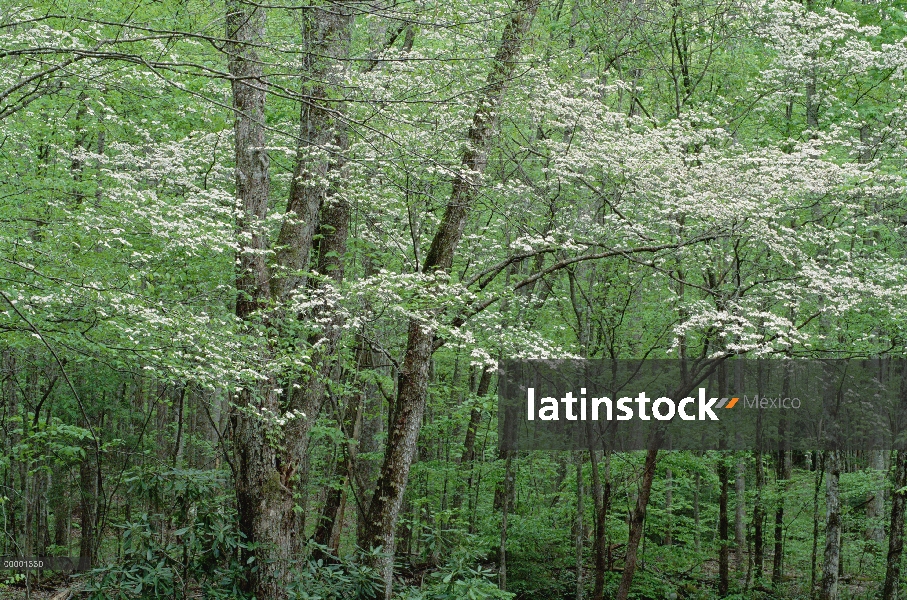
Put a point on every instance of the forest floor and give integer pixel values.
(55, 588)
(36, 594)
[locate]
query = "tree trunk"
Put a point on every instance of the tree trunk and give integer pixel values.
(758, 510)
(266, 472)
(467, 460)
(88, 506)
(875, 507)
(697, 485)
(600, 496)
(638, 517)
(818, 464)
(322, 141)
(264, 502)
(309, 396)
(316, 205)
(669, 484)
(723, 575)
(59, 498)
(178, 443)
(896, 535)
(830, 563)
(580, 526)
(469, 443)
(782, 474)
(330, 524)
(377, 529)
(777, 558)
(892, 583)
(502, 550)
(245, 30)
(740, 515)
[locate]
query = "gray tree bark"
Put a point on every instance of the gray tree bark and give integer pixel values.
(740, 514)
(875, 507)
(638, 517)
(601, 494)
(723, 574)
(580, 525)
(264, 500)
(266, 472)
(378, 527)
(896, 535)
(830, 563)
(898, 510)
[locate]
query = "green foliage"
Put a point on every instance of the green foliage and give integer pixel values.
(760, 144)
(458, 579)
(196, 547)
(350, 578)
(42, 438)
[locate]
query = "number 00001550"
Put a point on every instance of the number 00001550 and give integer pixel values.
(23, 564)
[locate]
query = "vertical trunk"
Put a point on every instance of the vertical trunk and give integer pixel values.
(818, 465)
(309, 396)
(102, 500)
(697, 484)
(740, 514)
(315, 204)
(8, 439)
(782, 474)
(503, 493)
(898, 504)
(42, 529)
(27, 479)
(330, 524)
(876, 505)
(469, 443)
(600, 496)
(180, 410)
(723, 575)
(26, 485)
(88, 506)
(896, 535)
(777, 558)
(758, 521)
(638, 517)
(377, 529)
(263, 500)
(322, 141)
(580, 528)
(723, 477)
(245, 31)
(502, 550)
(758, 510)
(59, 507)
(830, 563)
(669, 483)
(265, 473)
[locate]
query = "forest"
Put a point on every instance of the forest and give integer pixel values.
(261, 262)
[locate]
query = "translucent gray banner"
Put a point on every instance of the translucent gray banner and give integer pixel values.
(733, 404)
